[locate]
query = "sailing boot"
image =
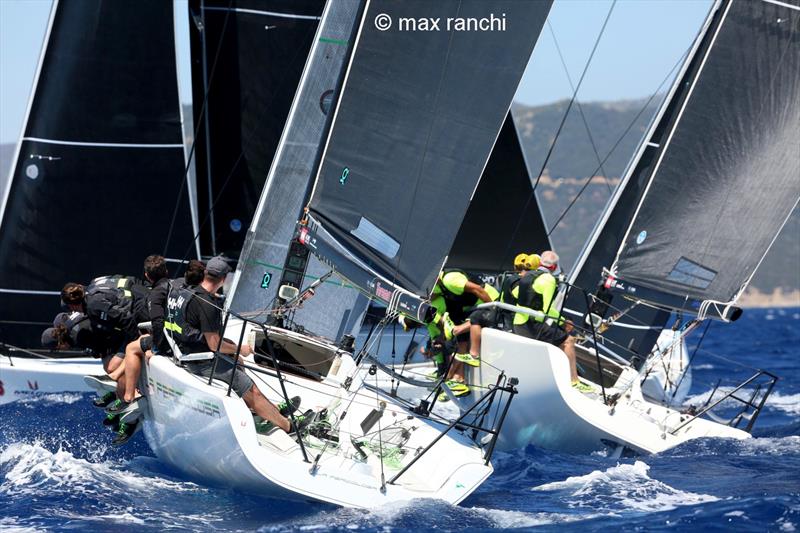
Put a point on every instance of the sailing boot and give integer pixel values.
(468, 359)
(103, 401)
(126, 431)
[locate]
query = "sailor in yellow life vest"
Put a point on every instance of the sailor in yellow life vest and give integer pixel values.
(536, 291)
(454, 294)
(486, 318)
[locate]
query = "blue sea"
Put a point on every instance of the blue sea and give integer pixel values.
(58, 471)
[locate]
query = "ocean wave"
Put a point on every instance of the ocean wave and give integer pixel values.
(621, 488)
(10, 525)
(53, 398)
(31, 469)
(402, 515)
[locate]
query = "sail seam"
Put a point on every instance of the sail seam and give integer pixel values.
(27, 291)
(782, 4)
(267, 13)
(99, 144)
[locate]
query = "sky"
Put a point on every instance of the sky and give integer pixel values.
(642, 42)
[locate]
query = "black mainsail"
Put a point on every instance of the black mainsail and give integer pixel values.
(100, 163)
(413, 129)
(247, 58)
(726, 178)
(481, 245)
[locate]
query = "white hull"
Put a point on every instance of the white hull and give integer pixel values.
(22, 378)
(548, 412)
(666, 382)
(209, 436)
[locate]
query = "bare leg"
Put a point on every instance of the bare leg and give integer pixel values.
(568, 346)
(457, 367)
(115, 368)
(265, 409)
(475, 340)
(133, 367)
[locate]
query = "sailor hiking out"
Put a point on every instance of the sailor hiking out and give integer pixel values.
(194, 320)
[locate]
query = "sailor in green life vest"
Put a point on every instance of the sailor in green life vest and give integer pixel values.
(453, 297)
(486, 318)
(536, 291)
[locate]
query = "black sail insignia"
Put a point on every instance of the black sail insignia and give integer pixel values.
(100, 163)
(247, 58)
(413, 129)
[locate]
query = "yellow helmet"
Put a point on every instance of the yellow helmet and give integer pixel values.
(520, 261)
(533, 262)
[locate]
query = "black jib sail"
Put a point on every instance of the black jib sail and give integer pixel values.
(281, 204)
(413, 129)
(482, 245)
(726, 177)
(636, 332)
(100, 163)
(247, 58)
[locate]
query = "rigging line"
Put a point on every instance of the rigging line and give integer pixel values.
(580, 107)
(620, 139)
(245, 146)
(558, 131)
(201, 118)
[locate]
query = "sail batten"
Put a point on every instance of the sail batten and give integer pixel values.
(413, 129)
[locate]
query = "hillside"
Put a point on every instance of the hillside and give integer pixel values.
(573, 160)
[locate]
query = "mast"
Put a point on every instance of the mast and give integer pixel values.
(639, 328)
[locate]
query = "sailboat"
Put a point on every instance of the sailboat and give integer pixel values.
(244, 75)
(410, 117)
(708, 191)
(101, 142)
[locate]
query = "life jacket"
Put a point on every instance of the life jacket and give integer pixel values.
(509, 281)
(111, 303)
(188, 338)
(464, 300)
(529, 298)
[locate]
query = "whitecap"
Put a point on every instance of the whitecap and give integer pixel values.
(31, 469)
(50, 398)
(789, 403)
(10, 525)
(761, 446)
(625, 487)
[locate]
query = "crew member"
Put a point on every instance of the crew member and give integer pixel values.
(194, 320)
(483, 318)
(536, 291)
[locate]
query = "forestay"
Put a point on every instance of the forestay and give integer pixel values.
(413, 128)
(727, 177)
(100, 163)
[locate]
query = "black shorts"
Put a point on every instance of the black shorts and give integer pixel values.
(241, 381)
(107, 358)
(146, 343)
(485, 318)
(542, 332)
